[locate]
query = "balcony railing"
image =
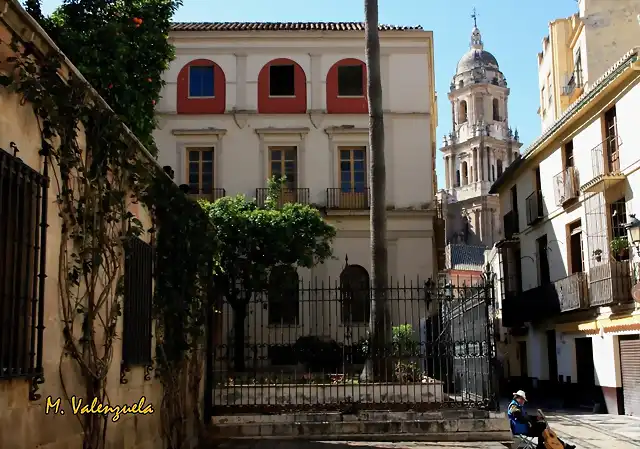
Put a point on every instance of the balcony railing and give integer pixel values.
(572, 292)
(510, 224)
(567, 186)
(575, 82)
(287, 195)
(531, 306)
(609, 283)
(534, 207)
(209, 194)
(348, 199)
(605, 158)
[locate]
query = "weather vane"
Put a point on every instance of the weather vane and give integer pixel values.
(474, 16)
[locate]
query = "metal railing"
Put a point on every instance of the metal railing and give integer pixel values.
(566, 186)
(209, 194)
(23, 238)
(137, 303)
(605, 157)
(510, 224)
(610, 282)
(531, 306)
(287, 195)
(303, 346)
(572, 292)
(534, 207)
(574, 83)
(340, 198)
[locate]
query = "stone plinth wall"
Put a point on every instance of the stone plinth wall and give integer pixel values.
(446, 425)
(296, 394)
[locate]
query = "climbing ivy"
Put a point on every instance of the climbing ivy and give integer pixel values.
(96, 184)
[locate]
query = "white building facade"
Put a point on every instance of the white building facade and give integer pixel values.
(568, 266)
(247, 101)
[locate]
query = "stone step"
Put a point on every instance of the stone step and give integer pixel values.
(490, 427)
(370, 415)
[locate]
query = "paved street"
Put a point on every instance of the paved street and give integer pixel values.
(590, 431)
(586, 431)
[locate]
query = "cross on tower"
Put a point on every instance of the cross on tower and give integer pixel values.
(474, 16)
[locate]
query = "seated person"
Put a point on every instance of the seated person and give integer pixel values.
(523, 424)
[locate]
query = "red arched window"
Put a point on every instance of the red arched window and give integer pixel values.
(347, 87)
(201, 88)
(282, 88)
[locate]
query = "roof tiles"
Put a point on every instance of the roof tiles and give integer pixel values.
(283, 26)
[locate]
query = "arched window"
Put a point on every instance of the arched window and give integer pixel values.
(499, 163)
(356, 300)
(493, 172)
(201, 88)
(282, 88)
(496, 110)
(465, 173)
(347, 87)
(284, 305)
(462, 112)
(457, 178)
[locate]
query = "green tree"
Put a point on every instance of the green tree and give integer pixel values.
(121, 48)
(380, 322)
(252, 241)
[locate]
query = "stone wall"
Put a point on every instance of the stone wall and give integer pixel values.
(24, 424)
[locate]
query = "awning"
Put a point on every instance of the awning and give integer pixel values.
(621, 324)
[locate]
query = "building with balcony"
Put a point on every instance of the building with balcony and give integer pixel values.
(479, 148)
(248, 101)
(579, 49)
(568, 266)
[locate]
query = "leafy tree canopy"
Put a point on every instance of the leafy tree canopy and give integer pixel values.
(121, 47)
(252, 240)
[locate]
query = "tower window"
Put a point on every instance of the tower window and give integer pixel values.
(496, 110)
(350, 81)
(281, 81)
(462, 112)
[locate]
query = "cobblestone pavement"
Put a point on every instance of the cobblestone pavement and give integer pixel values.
(272, 444)
(588, 431)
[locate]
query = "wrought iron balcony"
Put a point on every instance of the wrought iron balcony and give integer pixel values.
(208, 194)
(574, 84)
(566, 186)
(531, 306)
(510, 224)
(534, 207)
(609, 283)
(605, 164)
(287, 195)
(572, 292)
(348, 199)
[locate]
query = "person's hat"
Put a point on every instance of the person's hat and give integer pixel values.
(521, 394)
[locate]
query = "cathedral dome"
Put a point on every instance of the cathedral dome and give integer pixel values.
(477, 56)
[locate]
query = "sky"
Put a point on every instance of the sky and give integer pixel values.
(512, 30)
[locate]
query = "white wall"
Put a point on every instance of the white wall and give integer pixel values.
(241, 159)
(588, 136)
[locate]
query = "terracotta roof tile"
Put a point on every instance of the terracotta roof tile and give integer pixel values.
(283, 26)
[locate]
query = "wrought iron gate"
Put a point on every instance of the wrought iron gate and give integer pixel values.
(302, 346)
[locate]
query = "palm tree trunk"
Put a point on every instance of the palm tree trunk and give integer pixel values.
(380, 321)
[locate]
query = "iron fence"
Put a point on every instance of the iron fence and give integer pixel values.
(304, 345)
(287, 195)
(348, 198)
(23, 224)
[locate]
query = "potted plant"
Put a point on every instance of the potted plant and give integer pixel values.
(620, 248)
(597, 253)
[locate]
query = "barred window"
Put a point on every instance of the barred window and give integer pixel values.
(138, 294)
(22, 219)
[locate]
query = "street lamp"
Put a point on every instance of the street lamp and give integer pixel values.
(633, 229)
